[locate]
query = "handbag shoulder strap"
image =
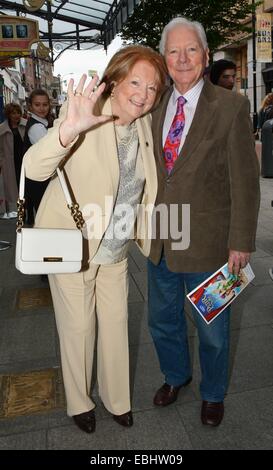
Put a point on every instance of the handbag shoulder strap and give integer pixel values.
(74, 207)
(64, 187)
(61, 179)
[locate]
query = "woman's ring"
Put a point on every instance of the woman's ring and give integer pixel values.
(77, 93)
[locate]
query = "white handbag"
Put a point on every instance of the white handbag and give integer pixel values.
(48, 250)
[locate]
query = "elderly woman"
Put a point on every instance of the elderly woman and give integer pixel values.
(12, 132)
(103, 138)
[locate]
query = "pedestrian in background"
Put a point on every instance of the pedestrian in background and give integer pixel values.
(223, 73)
(266, 111)
(38, 122)
(12, 132)
(205, 158)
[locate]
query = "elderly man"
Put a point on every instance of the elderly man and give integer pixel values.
(205, 158)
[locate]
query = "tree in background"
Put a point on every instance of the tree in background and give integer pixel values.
(222, 19)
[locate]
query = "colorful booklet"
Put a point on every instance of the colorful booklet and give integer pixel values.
(218, 291)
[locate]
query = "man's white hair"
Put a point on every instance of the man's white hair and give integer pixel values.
(181, 21)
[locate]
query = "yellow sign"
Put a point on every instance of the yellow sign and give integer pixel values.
(17, 34)
(263, 37)
(14, 54)
(42, 50)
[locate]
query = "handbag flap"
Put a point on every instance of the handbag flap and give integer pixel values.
(38, 244)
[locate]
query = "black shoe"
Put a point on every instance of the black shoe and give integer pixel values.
(86, 421)
(124, 420)
(212, 413)
(168, 394)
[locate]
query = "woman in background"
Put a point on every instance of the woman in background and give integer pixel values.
(39, 121)
(12, 132)
(266, 110)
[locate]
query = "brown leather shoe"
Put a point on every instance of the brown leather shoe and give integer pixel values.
(212, 413)
(124, 420)
(167, 394)
(86, 421)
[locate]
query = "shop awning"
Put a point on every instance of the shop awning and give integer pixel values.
(82, 23)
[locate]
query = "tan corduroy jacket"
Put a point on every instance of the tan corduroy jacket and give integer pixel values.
(217, 174)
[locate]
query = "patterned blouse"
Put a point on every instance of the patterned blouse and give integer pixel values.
(114, 244)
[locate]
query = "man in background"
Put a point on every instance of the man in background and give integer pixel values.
(223, 73)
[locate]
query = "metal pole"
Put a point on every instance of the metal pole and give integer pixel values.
(50, 27)
(78, 37)
(255, 117)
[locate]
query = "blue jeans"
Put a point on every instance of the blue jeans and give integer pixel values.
(167, 323)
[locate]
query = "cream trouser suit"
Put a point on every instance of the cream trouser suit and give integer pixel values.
(101, 291)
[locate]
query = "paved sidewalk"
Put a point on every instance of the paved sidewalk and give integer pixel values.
(32, 410)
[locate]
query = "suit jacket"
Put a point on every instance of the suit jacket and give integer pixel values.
(92, 169)
(217, 173)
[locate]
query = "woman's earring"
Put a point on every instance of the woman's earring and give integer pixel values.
(112, 93)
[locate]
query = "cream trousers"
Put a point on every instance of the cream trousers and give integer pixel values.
(79, 299)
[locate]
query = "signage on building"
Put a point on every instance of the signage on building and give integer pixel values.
(17, 34)
(42, 51)
(263, 37)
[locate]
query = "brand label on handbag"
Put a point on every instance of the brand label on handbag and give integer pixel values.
(52, 259)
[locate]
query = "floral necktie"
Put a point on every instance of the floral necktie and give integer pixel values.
(171, 147)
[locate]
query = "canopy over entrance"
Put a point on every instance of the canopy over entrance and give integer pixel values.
(79, 24)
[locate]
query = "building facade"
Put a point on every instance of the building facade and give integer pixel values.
(26, 74)
(240, 51)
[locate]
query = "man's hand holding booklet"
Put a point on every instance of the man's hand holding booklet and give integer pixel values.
(218, 291)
